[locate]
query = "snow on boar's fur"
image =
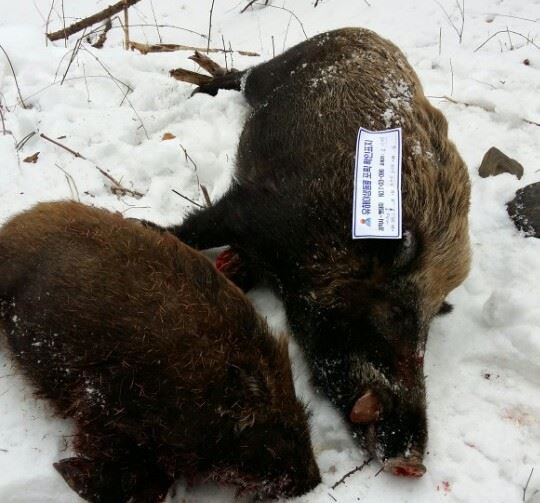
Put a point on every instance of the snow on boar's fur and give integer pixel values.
(162, 362)
(361, 309)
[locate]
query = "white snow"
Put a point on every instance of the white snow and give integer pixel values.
(482, 360)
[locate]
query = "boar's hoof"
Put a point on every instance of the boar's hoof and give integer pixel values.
(404, 467)
(367, 409)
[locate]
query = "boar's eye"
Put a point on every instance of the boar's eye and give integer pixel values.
(397, 312)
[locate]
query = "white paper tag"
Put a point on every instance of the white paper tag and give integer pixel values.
(377, 185)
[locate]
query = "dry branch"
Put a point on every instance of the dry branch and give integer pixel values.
(188, 76)
(354, 470)
(507, 31)
(4, 130)
(117, 188)
(527, 484)
(23, 142)
(210, 25)
(14, 77)
(491, 110)
(89, 21)
(292, 15)
(250, 4)
(188, 199)
(207, 199)
(126, 25)
(146, 48)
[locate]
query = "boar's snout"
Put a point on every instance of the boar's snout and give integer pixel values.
(394, 426)
(406, 467)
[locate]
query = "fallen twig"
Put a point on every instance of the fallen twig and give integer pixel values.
(202, 188)
(74, 54)
(144, 25)
(354, 470)
(527, 484)
(115, 80)
(47, 22)
(126, 25)
(15, 77)
(146, 48)
(188, 199)
(491, 110)
(117, 187)
(250, 4)
(71, 183)
(89, 21)
(63, 22)
(22, 143)
(293, 15)
(530, 41)
(4, 131)
(517, 17)
(207, 199)
(155, 21)
(210, 25)
(461, 9)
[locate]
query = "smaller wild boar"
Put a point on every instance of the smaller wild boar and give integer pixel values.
(162, 362)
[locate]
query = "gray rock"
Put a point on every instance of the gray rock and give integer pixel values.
(495, 162)
(524, 209)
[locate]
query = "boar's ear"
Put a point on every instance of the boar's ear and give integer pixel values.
(366, 409)
(408, 249)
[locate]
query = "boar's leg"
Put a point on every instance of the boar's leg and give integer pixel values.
(214, 226)
(231, 81)
(110, 466)
(104, 481)
(94, 481)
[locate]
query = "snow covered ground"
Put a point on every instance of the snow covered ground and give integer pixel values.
(483, 360)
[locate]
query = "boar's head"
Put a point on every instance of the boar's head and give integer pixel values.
(364, 331)
(266, 447)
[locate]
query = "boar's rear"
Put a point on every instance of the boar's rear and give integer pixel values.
(361, 309)
(163, 363)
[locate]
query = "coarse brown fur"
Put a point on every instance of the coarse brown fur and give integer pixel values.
(162, 362)
(361, 309)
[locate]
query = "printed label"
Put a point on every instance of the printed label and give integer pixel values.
(377, 185)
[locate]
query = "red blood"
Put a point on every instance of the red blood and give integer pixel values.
(408, 470)
(226, 260)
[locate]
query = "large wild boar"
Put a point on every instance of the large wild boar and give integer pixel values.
(361, 309)
(162, 362)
